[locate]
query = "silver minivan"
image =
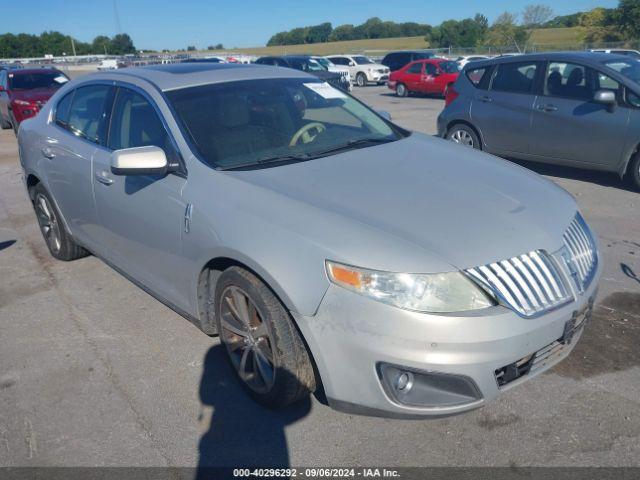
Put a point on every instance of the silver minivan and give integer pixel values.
(579, 109)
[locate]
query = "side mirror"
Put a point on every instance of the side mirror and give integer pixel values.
(139, 161)
(605, 97)
(352, 64)
(384, 114)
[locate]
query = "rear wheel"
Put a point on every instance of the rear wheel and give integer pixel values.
(464, 135)
(361, 79)
(402, 90)
(60, 243)
(262, 343)
(633, 172)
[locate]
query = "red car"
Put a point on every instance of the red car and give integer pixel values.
(431, 76)
(24, 91)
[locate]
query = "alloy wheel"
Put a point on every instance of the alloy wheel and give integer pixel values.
(462, 137)
(401, 90)
(361, 80)
(247, 339)
(48, 223)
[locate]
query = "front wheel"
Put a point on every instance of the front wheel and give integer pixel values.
(634, 172)
(464, 135)
(402, 90)
(262, 343)
(361, 79)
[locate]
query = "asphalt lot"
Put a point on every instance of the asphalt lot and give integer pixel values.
(93, 371)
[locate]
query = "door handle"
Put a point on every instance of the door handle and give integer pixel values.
(547, 108)
(48, 152)
(485, 99)
(103, 178)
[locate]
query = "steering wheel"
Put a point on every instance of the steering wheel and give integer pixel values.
(305, 133)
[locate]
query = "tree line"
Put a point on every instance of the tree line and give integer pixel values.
(55, 43)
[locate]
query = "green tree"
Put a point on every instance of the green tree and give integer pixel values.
(343, 32)
(464, 33)
(628, 16)
(122, 44)
(505, 32)
(600, 25)
(101, 44)
(319, 33)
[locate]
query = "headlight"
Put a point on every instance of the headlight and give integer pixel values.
(434, 293)
(22, 102)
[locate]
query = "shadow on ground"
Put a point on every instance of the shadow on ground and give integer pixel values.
(241, 431)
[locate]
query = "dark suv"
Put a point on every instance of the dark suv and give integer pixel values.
(578, 109)
(307, 64)
(397, 60)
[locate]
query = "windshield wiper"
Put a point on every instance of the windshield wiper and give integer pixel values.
(287, 158)
(357, 143)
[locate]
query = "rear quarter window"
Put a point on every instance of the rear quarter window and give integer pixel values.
(479, 77)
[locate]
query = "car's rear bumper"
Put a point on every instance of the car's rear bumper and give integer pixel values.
(353, 338)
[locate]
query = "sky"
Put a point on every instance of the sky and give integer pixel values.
(242, 23)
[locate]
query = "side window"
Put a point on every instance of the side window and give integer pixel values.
(135, 123)
(415, 68)
(633, 99)
(514, 77)
(340, 60)
(476, 76)
(430, 69)
(403, 59)
(62, 110)
(568, 80)
(87, 112)
(605, 82)
(279, 62)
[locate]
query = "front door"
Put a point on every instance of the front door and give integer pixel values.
(141, 216)
(503, 113)
(571, 125)
(413, 77)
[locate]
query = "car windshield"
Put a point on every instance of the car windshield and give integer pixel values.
(266, 122)
(449, 67)
(360, 60)
(629, 68)
(324, 62)
(30, 81)
(306, 65)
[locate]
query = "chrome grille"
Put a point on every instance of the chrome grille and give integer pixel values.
(529, 284)
(580, 255)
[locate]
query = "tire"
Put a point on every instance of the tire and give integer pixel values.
(254, 326)
(5, 124)
(464, 135)
(361, 80)
(402, 90)
(60, 243)
(633, 172)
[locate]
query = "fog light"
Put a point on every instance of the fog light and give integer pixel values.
(404, 382)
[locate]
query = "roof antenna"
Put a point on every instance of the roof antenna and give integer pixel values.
(115, 11)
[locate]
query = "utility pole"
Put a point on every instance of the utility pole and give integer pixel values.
(73, 46)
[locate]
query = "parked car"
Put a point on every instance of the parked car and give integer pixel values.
(332, 67)
(618, 51)
(305, 63)
(577, 109)
(204, 60)
(278, 212)
(363, 70)
(433, 76)
(462, 61)
(24, 91)
(397, 60)
(108, 64)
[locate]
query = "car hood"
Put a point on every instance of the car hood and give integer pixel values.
(35, 95)
(325, 75)
(438, 205)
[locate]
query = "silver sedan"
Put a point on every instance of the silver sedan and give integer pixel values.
(326, 246)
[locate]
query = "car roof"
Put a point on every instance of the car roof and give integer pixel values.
(588, 58)
(181, 75)
(29, 71)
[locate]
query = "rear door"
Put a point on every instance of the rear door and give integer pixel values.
(573, 126)
(430, 78)
(503, 114)
(79, 118)
(142, 216)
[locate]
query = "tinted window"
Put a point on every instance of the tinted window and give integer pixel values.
(629, 68)
(360, 60)
(476, 75)
(135, 123)
(87, 112)
(568, 80)
(514, 77)
(449, 67)
(415, 68)
(62, 110)
(430, 69)
(633, 99)
(30, 81)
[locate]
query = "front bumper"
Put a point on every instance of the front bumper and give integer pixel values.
(351, 336)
